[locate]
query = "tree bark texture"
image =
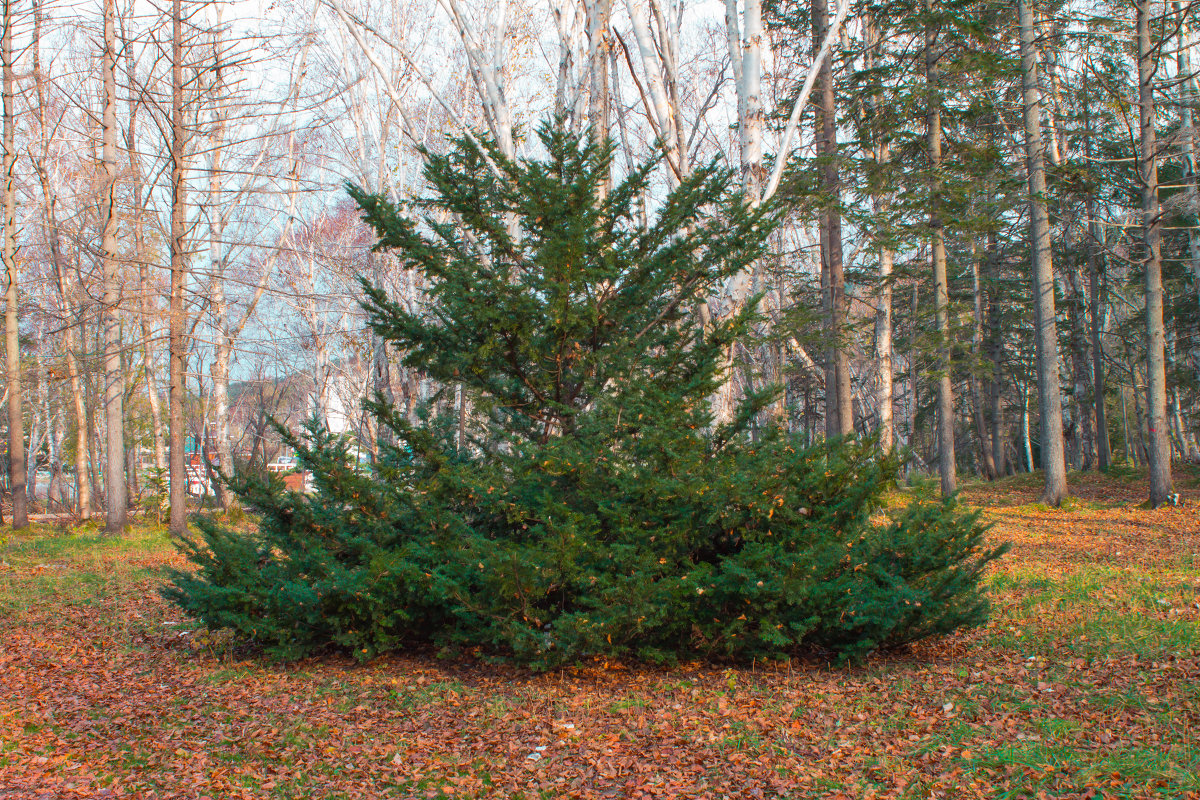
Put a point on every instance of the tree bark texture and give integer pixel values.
(116, 503)
(1096, 304)
(16, 424)
(842, 421)
(1158, 445)
(1049, 399)
(947, 468)
(178, 312)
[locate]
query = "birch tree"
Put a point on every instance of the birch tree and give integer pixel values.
(16, 422)
(245, 142)
(179, 146)
(44, 165)
(115, 494)
(147, 303)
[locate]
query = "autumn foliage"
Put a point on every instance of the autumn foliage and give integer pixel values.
(598, 507)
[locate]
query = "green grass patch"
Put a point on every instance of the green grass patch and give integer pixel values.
(628, 703)
(414, 697)
(1095, 611)
(1032, 767)
(84, 545)
(43, 568)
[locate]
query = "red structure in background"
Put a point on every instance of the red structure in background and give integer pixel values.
(294, 481)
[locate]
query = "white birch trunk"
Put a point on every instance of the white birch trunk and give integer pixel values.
(116, 502)
(178, 246)
(16, 422)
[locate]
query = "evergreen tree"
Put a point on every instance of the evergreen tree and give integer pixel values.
(596, 508)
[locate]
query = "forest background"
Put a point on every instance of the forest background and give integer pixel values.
(990, 255)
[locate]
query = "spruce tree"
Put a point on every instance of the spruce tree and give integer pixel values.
(596, 508)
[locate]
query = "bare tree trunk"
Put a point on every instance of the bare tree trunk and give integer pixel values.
(1178, 429)
(658, 64)
(56, 491)
(93, 448)
(599, 14)
(156, 426)
(460, 406)
(224, 443)
(1097, 301)
(39, 422)
(145, 305)
(1177, 424)
(947, 468)
(1077, 318)
(912, 374)
(16, 439)
(1070, 437)
(178, 313)
(133, 491)
(745, 41)
(833, 426)
(1130, 451)
(224, 340)
(1054, 469)
(980, 419)
(1025, 436)
(885, 390)
(1183, 62)
(885, 396)
(749, 88)
(1140, 419)
(381, 373)
(1103, 447)
(1156, 374)
(116, 501)
(831, 220)
(83, 495)
(228, 328)
(995, 336)
(148, 347)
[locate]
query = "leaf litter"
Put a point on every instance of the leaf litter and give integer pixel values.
(1083, 684)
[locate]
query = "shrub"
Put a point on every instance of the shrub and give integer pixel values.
(599, 508)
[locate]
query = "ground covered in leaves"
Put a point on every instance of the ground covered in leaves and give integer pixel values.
(1086, 683)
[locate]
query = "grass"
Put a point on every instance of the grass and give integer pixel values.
(1083, 680)
(415, 698)
(45, 563)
